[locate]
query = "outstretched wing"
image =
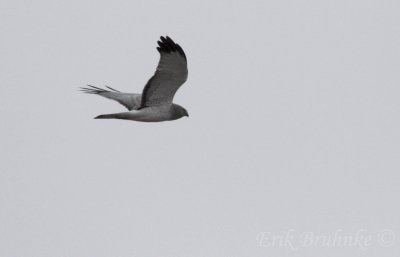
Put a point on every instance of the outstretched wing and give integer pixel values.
(171, 73)
(130, 101)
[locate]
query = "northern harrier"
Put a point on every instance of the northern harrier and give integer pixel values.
(155, 103)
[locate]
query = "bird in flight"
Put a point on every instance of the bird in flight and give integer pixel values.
(155, 103)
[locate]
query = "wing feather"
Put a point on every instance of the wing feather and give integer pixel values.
(129, 100)
(171, 73)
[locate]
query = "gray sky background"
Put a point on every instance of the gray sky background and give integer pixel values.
(294, 124)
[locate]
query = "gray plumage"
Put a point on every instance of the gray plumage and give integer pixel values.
(155, 103)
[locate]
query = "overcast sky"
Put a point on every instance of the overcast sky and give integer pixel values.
(294, 126)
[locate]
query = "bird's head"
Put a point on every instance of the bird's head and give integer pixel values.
(185, 112)
(180, 112)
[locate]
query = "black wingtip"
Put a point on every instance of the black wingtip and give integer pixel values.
(89, 89)
(113, 89)
(167, 45)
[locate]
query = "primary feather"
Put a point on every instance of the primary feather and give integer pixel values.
(129, 100)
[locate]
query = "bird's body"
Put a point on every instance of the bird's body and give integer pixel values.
(155, 103)
(159, 113)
